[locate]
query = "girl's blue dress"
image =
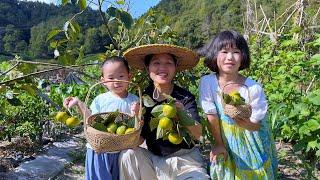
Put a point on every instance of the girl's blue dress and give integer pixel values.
(251, 154)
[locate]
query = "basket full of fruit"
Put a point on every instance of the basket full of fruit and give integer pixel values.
(113, 131)
(233, 103)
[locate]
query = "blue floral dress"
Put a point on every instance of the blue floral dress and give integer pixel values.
(251, 154)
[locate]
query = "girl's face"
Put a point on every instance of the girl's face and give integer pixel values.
(116, 71)
(229, 60)
(162, 69)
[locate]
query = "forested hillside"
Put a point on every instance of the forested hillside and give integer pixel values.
(24, 25)
(195, 21)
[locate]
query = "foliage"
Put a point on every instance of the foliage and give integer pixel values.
(288, 67)
(289, 77)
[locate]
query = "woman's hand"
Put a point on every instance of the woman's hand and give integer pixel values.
(217, 150)
(69, 102)
(179, 105)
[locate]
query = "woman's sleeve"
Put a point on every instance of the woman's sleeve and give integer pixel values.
(206, 99)
(258, 104)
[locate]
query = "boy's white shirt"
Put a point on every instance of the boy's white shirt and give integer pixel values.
(109, 102)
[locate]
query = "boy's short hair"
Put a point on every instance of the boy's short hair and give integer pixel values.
(225, 39)
(116, 59)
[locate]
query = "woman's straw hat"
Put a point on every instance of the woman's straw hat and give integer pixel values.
(186, 58)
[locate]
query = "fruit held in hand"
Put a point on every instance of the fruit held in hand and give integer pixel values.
(62, 116)
(72, 121)
(121, 130)
(112, 127)
(129, 130)
(165, 123)
(233, 98)
(169, 111)
(174, 138)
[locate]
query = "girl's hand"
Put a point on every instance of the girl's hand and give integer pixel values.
(247, 124)
(218, 149)
(135, 107)
(69, 102)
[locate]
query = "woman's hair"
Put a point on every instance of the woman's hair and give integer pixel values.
(225, 39)
(116, 59)
(148, 58)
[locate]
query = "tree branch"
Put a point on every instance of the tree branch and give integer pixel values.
(45, 71)
(105, 20)
(4, 73)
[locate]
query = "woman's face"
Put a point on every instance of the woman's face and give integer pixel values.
(162, 69)
(229, 60)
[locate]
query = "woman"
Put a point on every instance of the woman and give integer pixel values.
(162, 159)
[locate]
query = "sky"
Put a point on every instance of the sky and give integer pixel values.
(137, 7)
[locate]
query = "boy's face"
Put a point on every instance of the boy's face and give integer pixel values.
(116, 71)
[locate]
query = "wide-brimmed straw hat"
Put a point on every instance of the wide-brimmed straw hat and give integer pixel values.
(186, 58)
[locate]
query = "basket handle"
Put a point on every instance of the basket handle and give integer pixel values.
(90, 89)
(246, 87)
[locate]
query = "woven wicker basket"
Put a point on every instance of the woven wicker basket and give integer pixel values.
(241, 111)
(109, 142)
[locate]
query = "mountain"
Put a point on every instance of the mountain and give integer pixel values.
(196, 21)
(24, 25)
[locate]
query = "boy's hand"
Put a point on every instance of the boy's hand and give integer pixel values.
(135, 107)
(69, 102)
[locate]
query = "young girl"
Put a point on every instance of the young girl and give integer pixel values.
(246, 144)
(105, 165)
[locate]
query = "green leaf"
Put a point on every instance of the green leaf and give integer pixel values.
(147, 101)
(66, 59)
(14, 101)
(54, 44)
(82, 4)
(157, 110)
(81, 53)
(2, 88)
(314, 98)
(29, 88)
(153, 123)
(304, 130)
(315, 59)
(313, 124)
(185, 119)
(126, 19)
(120, 2)
(295, 69)
(53, 33)
(312, 145)
(160, 132)
(75, 27)
(165, 29)
(112, 11)
(64, 2)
